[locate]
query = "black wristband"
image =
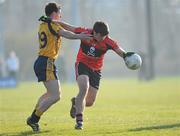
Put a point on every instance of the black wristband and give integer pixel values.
(124, 55)
(127, 54)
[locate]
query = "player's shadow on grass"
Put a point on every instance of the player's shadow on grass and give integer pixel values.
(156, 127)
(25, 133)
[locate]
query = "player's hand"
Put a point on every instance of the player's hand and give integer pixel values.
(45, 19)
(127, 54)
(84, 36)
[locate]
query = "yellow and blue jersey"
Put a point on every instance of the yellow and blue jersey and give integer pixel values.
(49, 41)
(49, 45)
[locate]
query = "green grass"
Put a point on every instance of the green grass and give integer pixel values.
(123, 108)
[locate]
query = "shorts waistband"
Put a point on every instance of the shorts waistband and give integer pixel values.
(45, 57)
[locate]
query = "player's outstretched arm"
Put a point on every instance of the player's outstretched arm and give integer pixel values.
(120, 52)
(123, 53)
(67, 26)
(70, 35)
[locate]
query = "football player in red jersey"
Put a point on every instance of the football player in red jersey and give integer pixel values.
(88, 65)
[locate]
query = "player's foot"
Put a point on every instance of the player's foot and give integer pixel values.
(73, 108)
(34, 126)
(79, 125)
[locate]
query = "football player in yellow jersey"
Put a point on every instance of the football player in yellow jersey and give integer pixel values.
(50, 34)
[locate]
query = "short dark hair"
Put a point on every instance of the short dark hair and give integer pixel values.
(101, 27)
(51, 7)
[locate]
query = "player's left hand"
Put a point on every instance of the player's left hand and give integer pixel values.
(127, 54)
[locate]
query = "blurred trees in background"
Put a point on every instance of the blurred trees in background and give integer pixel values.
(128, 25)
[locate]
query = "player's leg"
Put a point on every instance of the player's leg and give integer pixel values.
(83, 84)
(45, 71)
(51, 97)
(44, 96)
(45, 101)
(91, 96)
(89, 101)
(81, 73)
(94, 81)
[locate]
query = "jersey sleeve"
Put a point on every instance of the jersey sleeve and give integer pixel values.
(111, 44)
(82, 29)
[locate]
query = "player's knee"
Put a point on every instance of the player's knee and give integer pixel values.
(83, 91)
(56, 98)
(84, 87)
(89, 103)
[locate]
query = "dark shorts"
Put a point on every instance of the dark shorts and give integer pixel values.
(94, 76)
(45, 69)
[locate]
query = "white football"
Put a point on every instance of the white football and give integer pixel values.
(133, 62)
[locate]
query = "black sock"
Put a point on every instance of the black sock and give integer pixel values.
(79, 117)
(34, 117)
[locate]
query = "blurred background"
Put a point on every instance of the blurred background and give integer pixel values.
(149, 27)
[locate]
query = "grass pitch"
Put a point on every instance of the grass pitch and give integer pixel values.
(123, 108)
